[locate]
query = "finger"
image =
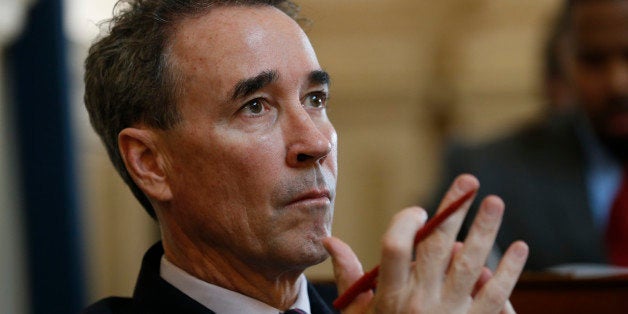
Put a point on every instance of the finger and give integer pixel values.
(508, 309)
(347, 267)
(457, 248)
(484, 278)
(467, 265)
(493, 297)
(397, 246)
(463, 184)
(347, 270)
(434, 253)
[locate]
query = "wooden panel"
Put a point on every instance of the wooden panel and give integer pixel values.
(557, 295)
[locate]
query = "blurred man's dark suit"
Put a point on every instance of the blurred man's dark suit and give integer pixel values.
(540, 174)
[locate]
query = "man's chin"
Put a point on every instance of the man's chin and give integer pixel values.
(314, 251)
(302, 260)
(321, 258)
(300, 250)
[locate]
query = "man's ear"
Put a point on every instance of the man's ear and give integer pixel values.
(145, 162)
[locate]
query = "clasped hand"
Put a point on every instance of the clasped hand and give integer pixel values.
(446, 276)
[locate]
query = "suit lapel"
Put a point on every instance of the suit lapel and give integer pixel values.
(574, 220)
(154, 295)
(570, 226)
(317, 304)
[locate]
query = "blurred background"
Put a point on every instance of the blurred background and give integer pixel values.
(407, 77)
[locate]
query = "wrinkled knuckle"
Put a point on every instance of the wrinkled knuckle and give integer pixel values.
(435, 246)
(465, 265)
(416, 306)
(486, 225)
(413, 213)
(385, 305)
(496, 297)
(419, 212)
(393, 248)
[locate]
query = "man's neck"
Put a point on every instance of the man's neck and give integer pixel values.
(275, 288)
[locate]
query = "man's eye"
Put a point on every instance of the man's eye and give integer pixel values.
(316, 100)
(255, 107)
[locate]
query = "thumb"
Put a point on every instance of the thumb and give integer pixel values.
(347, 270)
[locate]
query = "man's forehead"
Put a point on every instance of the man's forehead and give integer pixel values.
(231, 44)
(224, 27)
(600, 16)
(601, 24)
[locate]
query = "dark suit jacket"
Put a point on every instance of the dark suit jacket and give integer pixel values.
(153, 295)
(539, 173)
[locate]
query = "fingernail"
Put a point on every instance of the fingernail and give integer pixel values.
(521, 251)
(467, 183)
(492, 210)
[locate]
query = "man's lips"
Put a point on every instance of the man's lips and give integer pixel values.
(314, 197)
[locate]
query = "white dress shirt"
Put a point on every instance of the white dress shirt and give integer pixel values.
(221, 300)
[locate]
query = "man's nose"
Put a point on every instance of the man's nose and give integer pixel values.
(306, 139)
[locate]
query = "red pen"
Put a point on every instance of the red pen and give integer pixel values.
(369, 280)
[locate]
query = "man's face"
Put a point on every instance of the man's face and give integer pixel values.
(598, 68)
(252, 167)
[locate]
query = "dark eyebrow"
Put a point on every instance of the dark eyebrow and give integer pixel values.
(319, 77)
(249, 86)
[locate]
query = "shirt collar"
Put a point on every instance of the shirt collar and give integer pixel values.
(221, 300)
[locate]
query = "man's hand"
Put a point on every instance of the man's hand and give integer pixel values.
(446, 277)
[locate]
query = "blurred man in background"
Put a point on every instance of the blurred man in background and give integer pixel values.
(565, 180)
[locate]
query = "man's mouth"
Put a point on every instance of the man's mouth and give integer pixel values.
(316, 197)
